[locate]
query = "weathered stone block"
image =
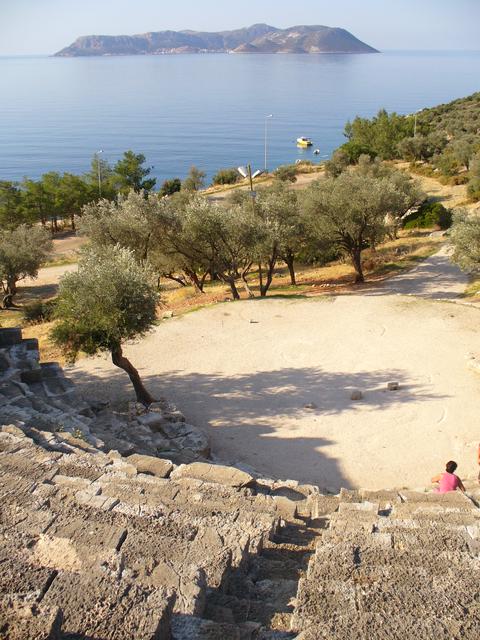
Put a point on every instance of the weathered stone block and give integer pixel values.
(99, 607)
(30, 622)
(219, 474)
(153, 466)
(356, 394)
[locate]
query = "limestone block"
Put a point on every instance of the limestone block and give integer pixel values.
(365, 507)
(356, 394)
(153, 420)
(10, 337)
(161, 561)
(31, 375)
(13, 430)
(286, 508)
(177, 429)
(189, 627)
(23, 582)
(96, 606)
(75, 484)
(30, 621)
(96, 501)
(153, 466)
(219, 474)
(196, 441)
(174, 416)
(120, 466)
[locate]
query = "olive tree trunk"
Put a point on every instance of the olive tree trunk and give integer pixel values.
(356, 256)
(119, 360)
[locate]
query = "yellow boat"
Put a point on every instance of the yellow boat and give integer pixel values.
(304, 142)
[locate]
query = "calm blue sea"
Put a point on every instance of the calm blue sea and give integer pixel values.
(207, 110)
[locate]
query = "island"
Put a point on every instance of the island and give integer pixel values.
(259, 38)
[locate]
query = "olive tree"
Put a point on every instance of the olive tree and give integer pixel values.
(222, 240)
(465, 238)
(110, 299)
(350, 211)
(131, 222)
(22, 251)
(278, 214)
(195, 179)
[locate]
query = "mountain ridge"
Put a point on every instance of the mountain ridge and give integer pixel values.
(258, 38)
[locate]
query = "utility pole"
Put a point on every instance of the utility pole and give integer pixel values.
(265, 140)
(99, 173)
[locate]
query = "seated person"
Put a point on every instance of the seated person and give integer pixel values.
(448, 481)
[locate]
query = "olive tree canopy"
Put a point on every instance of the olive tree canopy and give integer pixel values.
(109, 300)
(22, 251)
(465, 238)
(351, 212)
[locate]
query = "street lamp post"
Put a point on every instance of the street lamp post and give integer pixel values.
(99, 173)
(415, 122)
(267, 118)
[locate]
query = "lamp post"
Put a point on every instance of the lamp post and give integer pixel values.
(415, 123)
(99, 173)
(267, 118)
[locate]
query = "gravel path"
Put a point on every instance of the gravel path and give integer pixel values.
(435, 278)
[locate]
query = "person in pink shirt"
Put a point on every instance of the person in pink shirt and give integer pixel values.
(448, 481)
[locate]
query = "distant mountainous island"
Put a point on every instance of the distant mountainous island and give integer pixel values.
(259, 38)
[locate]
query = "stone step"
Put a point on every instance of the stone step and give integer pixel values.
(191, 627)
(94, 605)
(9, 337)
(30, 621)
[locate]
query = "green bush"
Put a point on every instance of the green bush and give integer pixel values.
(225, 176)
(286, 173)
(39, 311)
(169, 187)
(354, 150)
(430, 214)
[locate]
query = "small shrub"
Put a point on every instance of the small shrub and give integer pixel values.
(287, 173)
(39, 311)
(226, 176)
(430, 214)
(169, 187)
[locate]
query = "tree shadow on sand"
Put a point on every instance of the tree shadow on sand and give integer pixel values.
(245, 408)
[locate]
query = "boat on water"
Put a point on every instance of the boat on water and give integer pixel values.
(304, 142)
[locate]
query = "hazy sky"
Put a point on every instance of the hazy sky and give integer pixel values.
(45, 26)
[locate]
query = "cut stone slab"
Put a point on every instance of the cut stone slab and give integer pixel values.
(100, 607)
(29, 622)
(189, 627)
(356, 394)
(228, 476)
(153, 466)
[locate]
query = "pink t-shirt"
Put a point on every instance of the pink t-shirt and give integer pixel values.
(448, 482)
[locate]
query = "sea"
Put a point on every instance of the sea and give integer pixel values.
(208, 110)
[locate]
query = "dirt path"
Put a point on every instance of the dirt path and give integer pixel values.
(435, 278)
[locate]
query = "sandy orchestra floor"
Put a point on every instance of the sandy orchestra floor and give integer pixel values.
(246, 370)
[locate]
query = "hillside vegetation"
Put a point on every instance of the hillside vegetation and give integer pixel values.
(443, 141)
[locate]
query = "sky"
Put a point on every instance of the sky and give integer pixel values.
(45, 26)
